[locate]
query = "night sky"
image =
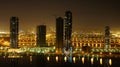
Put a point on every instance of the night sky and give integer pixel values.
(88, 15)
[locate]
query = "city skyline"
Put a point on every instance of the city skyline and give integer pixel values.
(92, 15)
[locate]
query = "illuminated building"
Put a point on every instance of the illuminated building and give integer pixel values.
(27, 39)
(59, 33)
(94, 40)
(107, 37)
(41, 36)
(68, 29)
(14, 32)
(4, 39)
(51, 38)
(78, 40)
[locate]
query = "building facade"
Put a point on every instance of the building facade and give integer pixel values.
(41, 36)
(14, 26)
(27, 39)
(78, 40)
(107, 37)
(68, 29)
(59, 33)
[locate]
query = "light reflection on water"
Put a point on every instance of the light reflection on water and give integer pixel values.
(56, 58)
(92, 60)
(65, 59)
(74, 59)
(49, 60)
(110, 62)
(83, 60)
(30, 58)
(101, 61)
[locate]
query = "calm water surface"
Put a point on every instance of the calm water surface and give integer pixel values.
(60, 61)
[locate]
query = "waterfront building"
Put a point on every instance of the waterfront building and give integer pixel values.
(14, 23)
(107, 37)
(78, 40)
(51, 39)
(68, 29)
(41, 36)
(27, 39)
(59, 33)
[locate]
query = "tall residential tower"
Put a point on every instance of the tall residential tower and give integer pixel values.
(59, 33)
(68, 29)
(107, 37)
(41, 36)
(14, 32)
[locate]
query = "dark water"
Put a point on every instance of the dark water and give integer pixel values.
(59, 61)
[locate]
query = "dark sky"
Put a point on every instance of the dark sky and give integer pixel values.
(88, 15)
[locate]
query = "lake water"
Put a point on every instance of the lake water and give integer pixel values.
(59, 61)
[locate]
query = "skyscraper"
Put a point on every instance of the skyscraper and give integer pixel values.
(14, 32)
(59, 33)
(41, 36)
(107, 37)
(68, 29)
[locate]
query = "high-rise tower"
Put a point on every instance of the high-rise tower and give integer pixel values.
(59, 33)
(14, 32)
(68, 29)
(107, 37)
(41, 36)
